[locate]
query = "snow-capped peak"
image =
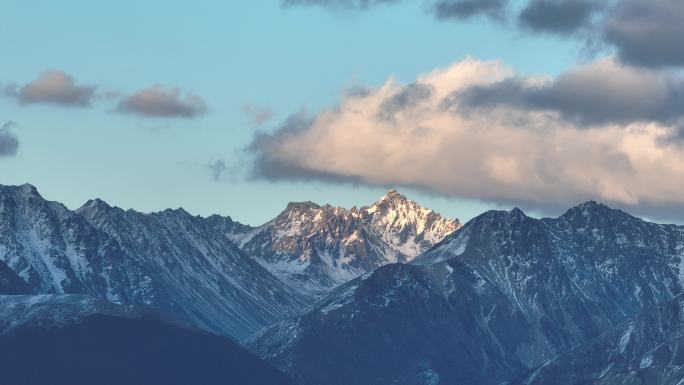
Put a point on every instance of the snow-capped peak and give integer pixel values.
(314, 248)
(407, 226)
(393, 196)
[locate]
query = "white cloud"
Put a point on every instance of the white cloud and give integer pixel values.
(501, 153)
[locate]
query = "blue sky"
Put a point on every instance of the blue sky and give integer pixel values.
(231, 54)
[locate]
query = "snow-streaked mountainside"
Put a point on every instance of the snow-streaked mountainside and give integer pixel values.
(648, 349)
(502, 295)
(314, 248)
(76, 339)
(169, 260)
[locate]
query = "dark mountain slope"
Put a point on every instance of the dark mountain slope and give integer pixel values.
(650, 347)
(403, 323)
(10, 283)
(75, 340)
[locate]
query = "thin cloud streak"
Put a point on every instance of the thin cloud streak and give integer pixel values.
(256, 115)
(158, 101)
(9, 143)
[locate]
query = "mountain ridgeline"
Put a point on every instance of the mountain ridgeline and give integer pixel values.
(171, 261)
(390, 293)
(501, 296)
(190, 268)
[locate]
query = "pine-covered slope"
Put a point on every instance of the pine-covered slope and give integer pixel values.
(75, 339)
(314, 248)
(517, 292)
(170, 261)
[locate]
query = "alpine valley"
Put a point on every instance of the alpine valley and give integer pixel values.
(389, 293)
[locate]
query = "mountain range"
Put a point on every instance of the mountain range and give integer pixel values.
(190, 267)
(390, 293)
(504, 294)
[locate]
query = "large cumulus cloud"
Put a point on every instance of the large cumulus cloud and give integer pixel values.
(446, 142)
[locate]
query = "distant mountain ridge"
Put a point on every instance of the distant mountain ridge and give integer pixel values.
(314, 248)
(170, 260)
(500, 296)
(390, 293)
(184, 266)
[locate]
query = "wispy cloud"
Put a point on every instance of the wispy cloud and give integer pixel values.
(9, 144)
(257, 115)
(158, 101)
(465, 9)
(217, 168)
(340, 4)
(53, 87)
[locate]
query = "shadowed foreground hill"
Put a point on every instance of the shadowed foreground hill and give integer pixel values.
(76, 340)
